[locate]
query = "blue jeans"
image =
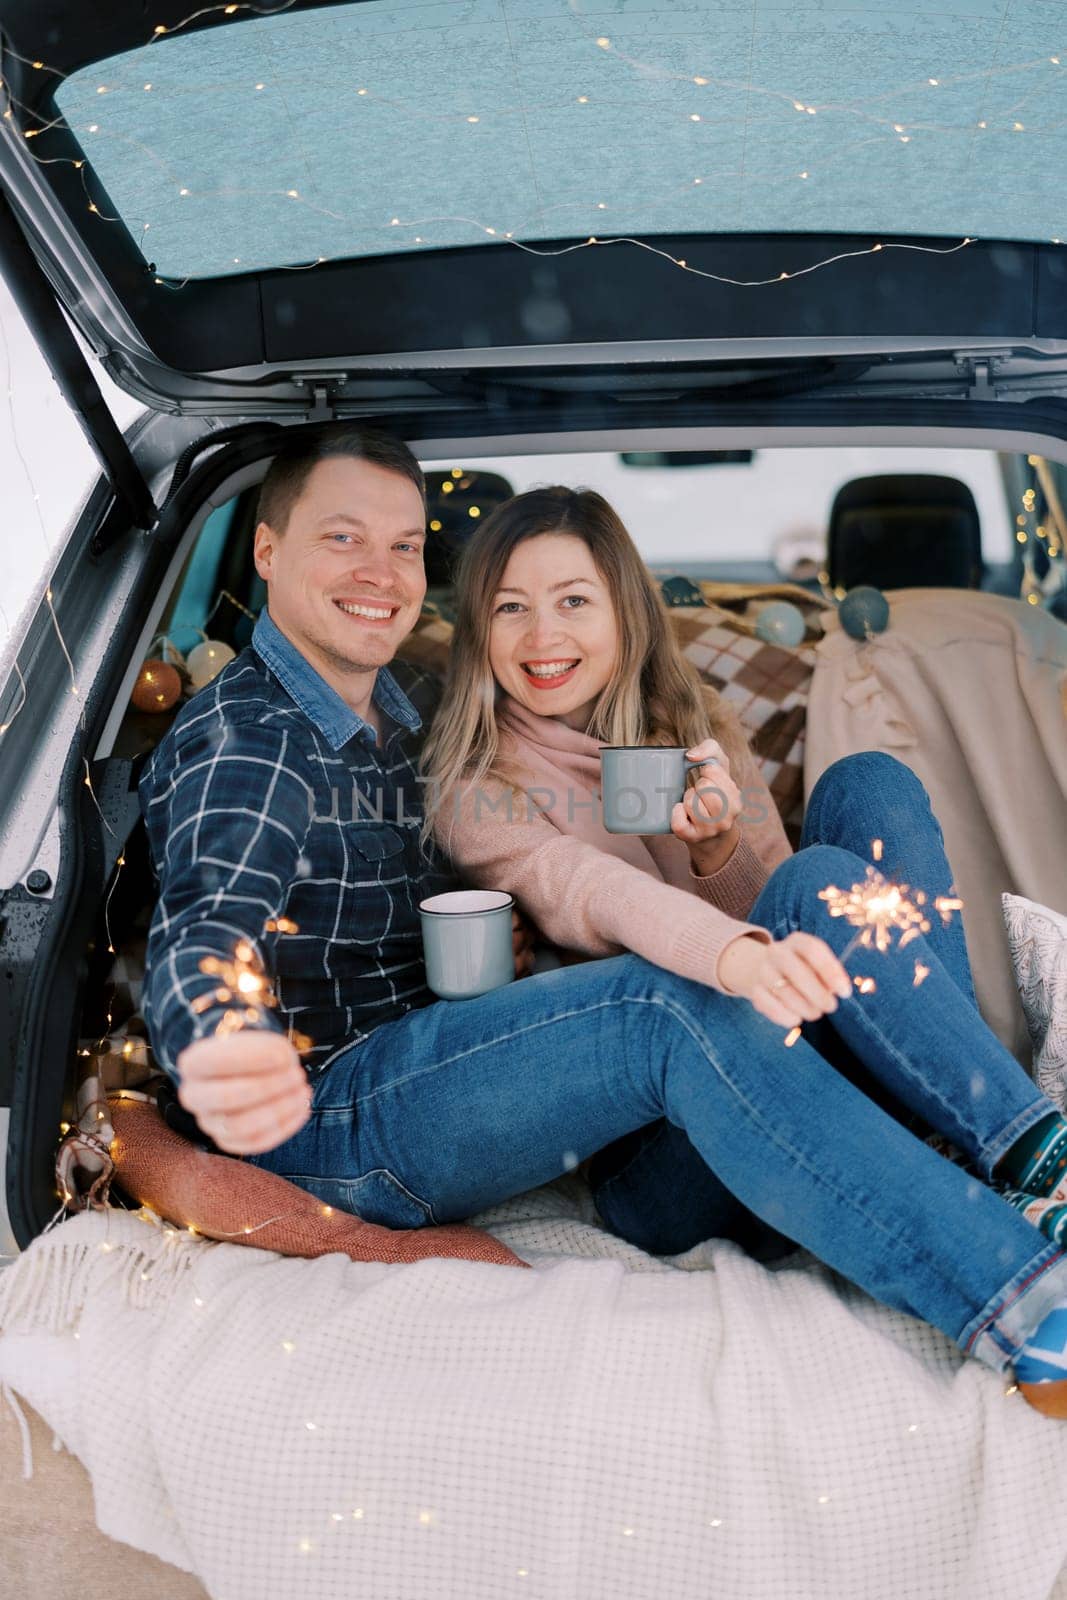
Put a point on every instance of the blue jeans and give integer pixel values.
(453, 1108)
(652, 1187)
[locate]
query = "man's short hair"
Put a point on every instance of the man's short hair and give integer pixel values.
(299, 455)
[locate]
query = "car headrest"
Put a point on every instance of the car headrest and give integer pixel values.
(905, 531)
(455, 502)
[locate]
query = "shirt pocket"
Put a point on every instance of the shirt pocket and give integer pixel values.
(377, 894)
(374, 843)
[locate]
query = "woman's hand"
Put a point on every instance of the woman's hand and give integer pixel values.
(790, 981)
(705, 818)
(523, 938)
(248, 1091)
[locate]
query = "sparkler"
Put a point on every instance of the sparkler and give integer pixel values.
(244, 988)
(879, 909)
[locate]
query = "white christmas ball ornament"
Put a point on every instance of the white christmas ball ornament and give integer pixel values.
(781, 623)
(205, 661)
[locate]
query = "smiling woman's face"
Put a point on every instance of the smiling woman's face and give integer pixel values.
(553, 637)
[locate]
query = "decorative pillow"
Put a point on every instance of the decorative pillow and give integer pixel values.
(1038, 940)
(121, 1137)
(225, 1198)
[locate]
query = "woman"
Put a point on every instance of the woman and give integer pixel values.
(561, 645)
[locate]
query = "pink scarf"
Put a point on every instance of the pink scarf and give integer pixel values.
(560, 759)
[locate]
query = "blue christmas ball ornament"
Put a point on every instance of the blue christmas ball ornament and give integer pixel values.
(864, 612)
(780, 623)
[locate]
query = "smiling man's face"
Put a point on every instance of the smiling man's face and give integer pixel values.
(345, 577)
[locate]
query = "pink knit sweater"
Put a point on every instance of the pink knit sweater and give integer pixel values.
(597, 892)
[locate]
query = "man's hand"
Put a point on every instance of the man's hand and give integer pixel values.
(790, 981)
(247, 1090)
(523, 936)
(705, 818)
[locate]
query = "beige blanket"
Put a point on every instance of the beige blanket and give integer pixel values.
(970, 691)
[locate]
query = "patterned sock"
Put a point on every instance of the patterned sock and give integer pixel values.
(1043, 1358)
(1048, 1213)
(1038, 1161)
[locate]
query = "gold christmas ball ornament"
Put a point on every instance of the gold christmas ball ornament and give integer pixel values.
(158, 686)
(205, 661)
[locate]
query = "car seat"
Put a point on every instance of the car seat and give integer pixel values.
(902, 531)
(455, 501)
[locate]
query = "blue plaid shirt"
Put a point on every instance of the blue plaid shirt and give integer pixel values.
(270, 798)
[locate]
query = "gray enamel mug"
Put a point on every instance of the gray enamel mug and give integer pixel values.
(466, 941)
(640, 786)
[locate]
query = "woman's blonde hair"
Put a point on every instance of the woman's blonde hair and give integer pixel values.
(654, 695)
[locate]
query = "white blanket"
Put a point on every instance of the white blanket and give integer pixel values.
(604, 1427)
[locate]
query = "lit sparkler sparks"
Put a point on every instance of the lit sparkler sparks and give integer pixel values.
(244, 988)
(880, 909)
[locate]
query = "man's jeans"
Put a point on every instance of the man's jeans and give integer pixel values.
(454, 1107)
(652, 1188)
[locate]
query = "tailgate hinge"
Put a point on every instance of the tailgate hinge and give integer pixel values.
(322, 390)
(980, 372)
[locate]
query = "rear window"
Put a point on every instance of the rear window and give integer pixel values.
(757, 519)
(401, 125)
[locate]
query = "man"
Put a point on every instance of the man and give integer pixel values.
(283, 816)
(264, 795)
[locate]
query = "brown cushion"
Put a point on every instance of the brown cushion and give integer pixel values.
(226, 1198)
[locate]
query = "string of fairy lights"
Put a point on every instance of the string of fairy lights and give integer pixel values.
(1042, 529)
(48, 593)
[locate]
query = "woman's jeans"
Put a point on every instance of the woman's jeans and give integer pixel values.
(652, 1187)
(457, 1106)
